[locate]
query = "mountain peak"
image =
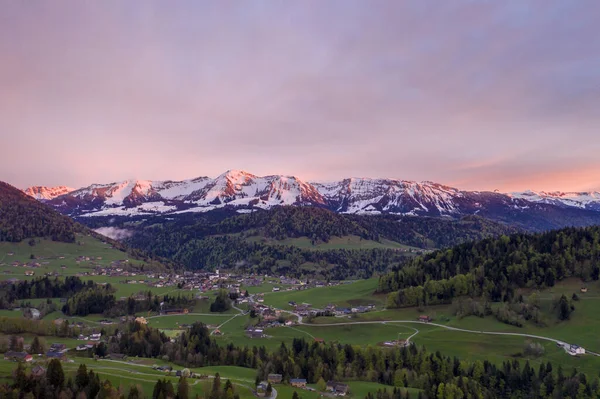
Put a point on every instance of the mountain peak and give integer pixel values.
(47, 193)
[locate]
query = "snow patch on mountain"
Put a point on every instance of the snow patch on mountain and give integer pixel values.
(47, 193)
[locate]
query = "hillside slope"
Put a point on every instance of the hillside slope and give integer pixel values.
(23, 217)
(289, 239)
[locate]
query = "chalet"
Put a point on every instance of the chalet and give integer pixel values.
(425, 319)
(217, 332)
(274, 378)
(38, 371)
(18, 356)
(298, 382)
(338, 388)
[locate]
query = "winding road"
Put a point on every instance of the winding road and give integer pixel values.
(557, 341)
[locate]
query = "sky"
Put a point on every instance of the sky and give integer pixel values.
(477, 94)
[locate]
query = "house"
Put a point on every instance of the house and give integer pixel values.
(320, 340)
(38, 371)
(56, 355)
(217, 332)
(60, 348)
(95, 337)
(425, 319)
(18, 356)
(576, 350)
(29, 272)
(261, 390)
(584, 289)
(81, 347)
(338, 388)
(255, 333)
(274, 378)
(35, 313)
(298, 382)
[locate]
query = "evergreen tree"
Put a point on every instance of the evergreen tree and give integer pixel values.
(55, 374)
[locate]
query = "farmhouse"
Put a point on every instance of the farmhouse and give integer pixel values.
(338, 388)
(18, 356)
(61, 348)
(576, 350)
(56, 355)
(298, 382)
(255, 333)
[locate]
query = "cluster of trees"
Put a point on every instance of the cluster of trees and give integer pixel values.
(222, 391)
(222, 302)
(44, 287)
(494, 268)
(131, 306)
(90, 300)
(23, 217)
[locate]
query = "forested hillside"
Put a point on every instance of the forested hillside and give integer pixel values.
(232, 241)
(23, 217)
(494, 267)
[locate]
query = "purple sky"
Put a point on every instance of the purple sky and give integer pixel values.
(476, 94)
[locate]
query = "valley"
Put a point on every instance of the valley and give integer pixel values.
(275, 291)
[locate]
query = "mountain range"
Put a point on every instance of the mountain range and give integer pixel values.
(244, 192)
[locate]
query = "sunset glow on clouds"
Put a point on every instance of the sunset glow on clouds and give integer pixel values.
(476, 94)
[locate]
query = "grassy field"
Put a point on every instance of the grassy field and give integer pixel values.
(49, 253)
(355, 293)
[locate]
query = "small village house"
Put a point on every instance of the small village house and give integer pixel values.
(298, 382)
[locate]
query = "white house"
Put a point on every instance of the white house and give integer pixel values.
(576, 350)
(95, 337)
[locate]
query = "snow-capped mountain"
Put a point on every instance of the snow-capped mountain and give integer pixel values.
(583, 200)
(243, 192)
(47, 193)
